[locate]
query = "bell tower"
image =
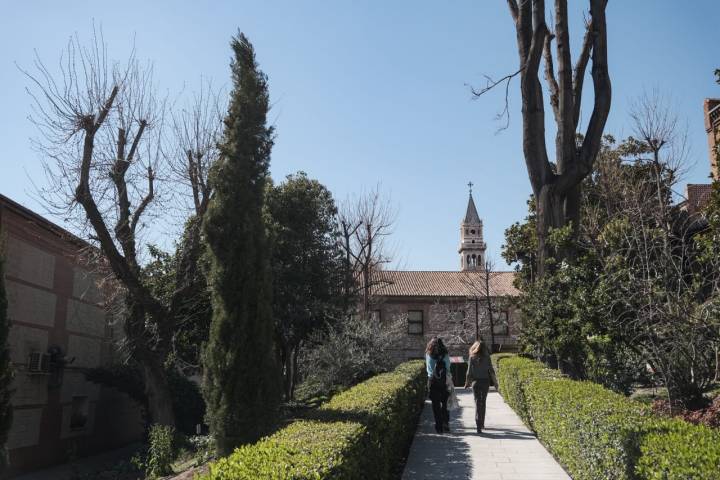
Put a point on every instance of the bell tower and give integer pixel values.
(472, 246)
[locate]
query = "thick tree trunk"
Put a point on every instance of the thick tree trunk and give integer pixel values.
(158, 393)
(550, 215)
(288, 354)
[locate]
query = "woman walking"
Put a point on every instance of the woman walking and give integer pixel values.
(437, 363)
(479, 374)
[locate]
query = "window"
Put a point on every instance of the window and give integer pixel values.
(472, 232)
(79, 412)
(415, 322)
(500, 323)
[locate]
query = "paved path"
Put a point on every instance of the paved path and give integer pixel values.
(506, 450)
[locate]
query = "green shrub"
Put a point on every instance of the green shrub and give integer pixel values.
(685, 451)
(497, 357)
(598, 434)
(358, 434)
(592, 431)
(161, 451)
(514, 373)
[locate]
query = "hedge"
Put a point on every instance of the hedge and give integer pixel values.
(598, 434)
(360, 433)
(685, 451)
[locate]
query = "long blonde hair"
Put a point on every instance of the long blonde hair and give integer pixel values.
(477, 349)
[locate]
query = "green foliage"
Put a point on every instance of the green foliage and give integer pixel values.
(161, 451)
(306, 267)
(685, 451)
(6, 371)
(635, 284)
(517, 373)
(241, 376)
(598, 434)
(359, 434)
(193, 309)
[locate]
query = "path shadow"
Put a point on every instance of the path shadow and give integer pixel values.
(507, 434)
(439, 456)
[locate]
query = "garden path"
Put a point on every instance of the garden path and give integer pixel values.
(506, 450)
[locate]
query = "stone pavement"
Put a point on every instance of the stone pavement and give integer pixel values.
(506, 450)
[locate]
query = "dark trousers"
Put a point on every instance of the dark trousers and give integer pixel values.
(439, 398)
(480, 392)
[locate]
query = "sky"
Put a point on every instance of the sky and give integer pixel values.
(373, 93)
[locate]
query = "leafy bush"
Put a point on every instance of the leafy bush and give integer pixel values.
(685, 451)
(598, 434)
(517, 372)
(347, 353)
(358, 434)
(161, 451)
(590, 429)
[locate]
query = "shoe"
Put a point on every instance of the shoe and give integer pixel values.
(446, 427)
(479, 430)
(438, 429)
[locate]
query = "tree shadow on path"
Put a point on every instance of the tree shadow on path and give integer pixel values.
(438, 456)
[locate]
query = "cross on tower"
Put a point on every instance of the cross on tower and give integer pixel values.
(470, 185)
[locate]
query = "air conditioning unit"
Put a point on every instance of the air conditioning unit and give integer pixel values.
(38, 362)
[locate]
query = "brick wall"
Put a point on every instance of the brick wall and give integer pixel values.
(53, 301)
(452, 319)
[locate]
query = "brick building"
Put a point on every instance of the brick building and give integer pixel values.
(454, 305)
(58, 329)
(711, 111)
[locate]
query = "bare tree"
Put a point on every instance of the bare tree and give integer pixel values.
(661, 290)
(557, 187)
(459, 320)
(481, 287)
(101, 131)
(363, 227)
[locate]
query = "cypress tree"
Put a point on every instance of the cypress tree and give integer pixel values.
(242, 379)
(6, 372)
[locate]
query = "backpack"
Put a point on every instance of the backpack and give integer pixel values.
(439, 378)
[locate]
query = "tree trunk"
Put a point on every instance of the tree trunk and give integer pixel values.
(549, 215)
(289, 361)
(294, 371)
(158, 393)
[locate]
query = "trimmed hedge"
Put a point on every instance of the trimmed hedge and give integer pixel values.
(686, 451)
(358, 434)
(598, 434)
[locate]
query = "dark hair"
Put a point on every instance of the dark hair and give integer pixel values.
(436, 348)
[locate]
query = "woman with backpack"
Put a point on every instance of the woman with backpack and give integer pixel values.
(437, 363)
(480, 375)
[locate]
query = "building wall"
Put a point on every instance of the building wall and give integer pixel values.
(711, 110)
(52, 301)
(456, 329)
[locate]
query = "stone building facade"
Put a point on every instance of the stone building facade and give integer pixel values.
(58, 329)
(454, 305)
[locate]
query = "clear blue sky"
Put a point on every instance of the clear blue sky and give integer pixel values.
(368, 92)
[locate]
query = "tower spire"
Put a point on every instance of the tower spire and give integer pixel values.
(472, 246)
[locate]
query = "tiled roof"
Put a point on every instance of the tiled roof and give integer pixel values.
(698, 196)
(397, 283)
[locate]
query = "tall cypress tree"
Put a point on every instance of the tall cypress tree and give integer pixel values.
(6, 373)
(242, 379)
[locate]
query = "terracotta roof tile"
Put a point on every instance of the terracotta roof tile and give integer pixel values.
(397, 283)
